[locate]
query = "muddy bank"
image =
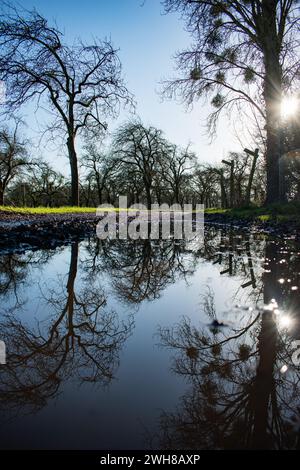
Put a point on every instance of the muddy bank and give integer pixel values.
(45, 231)
(19, 232)
(270, 227)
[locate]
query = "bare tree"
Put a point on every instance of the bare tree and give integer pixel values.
(45, 186)
(82, 84)
(205, 183)
(175, 168)
(13, 157)
(99, 168)
(141, 148)
(244, 53)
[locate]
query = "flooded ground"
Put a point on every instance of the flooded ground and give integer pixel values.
(148, 344)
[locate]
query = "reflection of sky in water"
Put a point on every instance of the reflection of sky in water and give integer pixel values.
(126, 412)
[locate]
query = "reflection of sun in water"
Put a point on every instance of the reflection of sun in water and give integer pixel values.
(285, 321)
(289, 106)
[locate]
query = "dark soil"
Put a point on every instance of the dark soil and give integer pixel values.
(19, 232)
(43, 231)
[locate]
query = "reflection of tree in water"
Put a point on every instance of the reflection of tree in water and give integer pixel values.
(82, 340)
(240, 397)
(254, 258)
(142, 269)
(14, 269)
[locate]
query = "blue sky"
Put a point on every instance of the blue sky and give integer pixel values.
(147, 40)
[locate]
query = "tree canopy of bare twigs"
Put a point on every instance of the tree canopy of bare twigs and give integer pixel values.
(81, 84)
(244, 56)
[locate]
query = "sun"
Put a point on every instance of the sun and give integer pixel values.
(289, 106)
(285, 321)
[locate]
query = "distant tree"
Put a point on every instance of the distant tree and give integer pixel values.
(205, 183)
(142, 149)
(243, 175)
(82, 83)
(244, 52)
(98, 167)
(13, 157)
(45, 186)
(174, 169)
(128, 180)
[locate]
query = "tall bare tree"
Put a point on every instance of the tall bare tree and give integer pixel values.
(244, 52)
(82, 84)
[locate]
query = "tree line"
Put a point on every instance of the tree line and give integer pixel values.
(141, 164)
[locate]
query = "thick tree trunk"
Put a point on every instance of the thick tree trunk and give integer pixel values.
(264, 381)
(148, 196)
(264, 384)
(273, 153)
(177, 198)
(272, 97)
(74, 171)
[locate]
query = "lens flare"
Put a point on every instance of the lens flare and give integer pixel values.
(285, 321)
(289, 106)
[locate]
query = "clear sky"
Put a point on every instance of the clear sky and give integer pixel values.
(147, 40)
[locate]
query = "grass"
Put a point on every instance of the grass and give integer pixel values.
(280, 213)
(64, 210)
(47, 210)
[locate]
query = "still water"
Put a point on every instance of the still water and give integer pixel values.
(147, 344)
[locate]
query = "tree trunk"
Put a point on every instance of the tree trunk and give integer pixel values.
(148, 196)
(71, 287)
(232, 198)
(99, 189)
(88, 194)
(264, 381)
(272, 156)
(223, 191)
(250, 181)
(1, 194)
(177, 194)
(267, 348)
(74, 171)
(272, 97)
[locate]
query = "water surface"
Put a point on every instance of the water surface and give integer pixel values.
(148, 344)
